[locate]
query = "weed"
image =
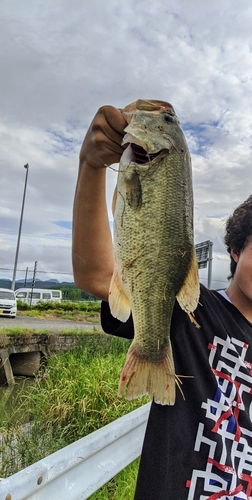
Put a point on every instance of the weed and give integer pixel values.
(75, 311)
(74, 396)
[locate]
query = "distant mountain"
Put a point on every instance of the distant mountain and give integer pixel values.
(29, 280)
(69, 289)
(4, 283)
(52, 283)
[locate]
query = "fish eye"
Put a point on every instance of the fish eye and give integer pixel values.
(168, 118)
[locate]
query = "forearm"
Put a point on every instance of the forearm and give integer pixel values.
(92, 251)
(93, 257)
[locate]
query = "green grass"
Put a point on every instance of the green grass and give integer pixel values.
(20, 331)
(75, 395)
(25, 331)
(121, 487)
(75, 311)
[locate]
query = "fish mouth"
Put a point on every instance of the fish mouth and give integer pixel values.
(140, 156)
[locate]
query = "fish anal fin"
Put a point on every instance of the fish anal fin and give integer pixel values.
(155, 378)
(188, 295)
(118, 302)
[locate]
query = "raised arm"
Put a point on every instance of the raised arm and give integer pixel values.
(92, 251)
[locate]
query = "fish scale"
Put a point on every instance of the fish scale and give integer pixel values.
(154, 249)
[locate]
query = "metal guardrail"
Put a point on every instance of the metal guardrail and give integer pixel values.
(80, 469)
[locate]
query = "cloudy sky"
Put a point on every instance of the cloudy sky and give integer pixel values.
(62, 59)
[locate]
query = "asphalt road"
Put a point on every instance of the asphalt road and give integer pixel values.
(52, 325)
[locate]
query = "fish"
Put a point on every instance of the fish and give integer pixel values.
(155, 257)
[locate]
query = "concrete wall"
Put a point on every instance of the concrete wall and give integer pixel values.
(23, 354)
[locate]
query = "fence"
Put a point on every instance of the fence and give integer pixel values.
(80, 469)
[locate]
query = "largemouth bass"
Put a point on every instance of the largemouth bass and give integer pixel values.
(153, 243)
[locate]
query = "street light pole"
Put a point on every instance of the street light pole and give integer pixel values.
(20, 229)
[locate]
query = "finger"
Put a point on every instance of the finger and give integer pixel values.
(114, 118)
(110, 124)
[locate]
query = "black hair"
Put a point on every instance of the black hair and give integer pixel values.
(238, 229)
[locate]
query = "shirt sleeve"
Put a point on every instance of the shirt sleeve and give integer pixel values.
(113, 326)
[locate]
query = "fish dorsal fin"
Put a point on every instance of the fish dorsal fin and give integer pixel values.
(188, 295)
(118, 301)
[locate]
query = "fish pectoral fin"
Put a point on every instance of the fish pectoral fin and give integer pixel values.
(188, 295)
(133, 191)
(118, 301)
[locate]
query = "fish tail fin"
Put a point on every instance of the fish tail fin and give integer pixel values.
(142, 376)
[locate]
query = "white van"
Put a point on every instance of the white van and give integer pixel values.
(8, 303)
(35, 295)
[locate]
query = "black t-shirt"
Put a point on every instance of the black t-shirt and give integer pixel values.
(201, 448)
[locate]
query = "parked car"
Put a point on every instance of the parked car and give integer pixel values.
(8, 303)
(35, 295)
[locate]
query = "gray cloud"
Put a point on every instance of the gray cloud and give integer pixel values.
(61, 60)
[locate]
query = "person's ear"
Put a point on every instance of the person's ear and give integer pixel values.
(234, 255)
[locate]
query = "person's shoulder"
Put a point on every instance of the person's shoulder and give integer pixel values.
(210, 295)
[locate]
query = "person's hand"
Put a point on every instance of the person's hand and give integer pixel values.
(102, 144)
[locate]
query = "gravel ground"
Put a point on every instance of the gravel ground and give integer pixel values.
(46, 324)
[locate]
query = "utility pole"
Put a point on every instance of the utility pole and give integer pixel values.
(20, 229)
(26, 273)
(33, 279)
